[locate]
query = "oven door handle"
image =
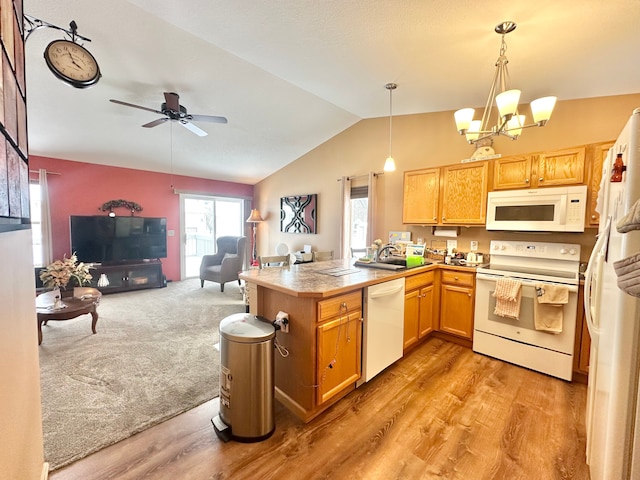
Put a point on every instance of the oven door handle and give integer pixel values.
(525, 281)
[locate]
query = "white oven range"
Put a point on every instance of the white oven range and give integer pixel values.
(516, 340)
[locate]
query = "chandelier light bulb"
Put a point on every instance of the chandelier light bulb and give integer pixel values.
(542, 109)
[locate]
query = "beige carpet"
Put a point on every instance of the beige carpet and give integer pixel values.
(152, 358)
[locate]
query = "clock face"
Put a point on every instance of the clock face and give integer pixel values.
(72, 63)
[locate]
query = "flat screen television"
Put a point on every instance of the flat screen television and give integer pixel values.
(104, 239)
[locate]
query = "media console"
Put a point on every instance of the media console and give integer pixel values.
(122, 277)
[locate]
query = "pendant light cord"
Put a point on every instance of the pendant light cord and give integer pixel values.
(391, 87)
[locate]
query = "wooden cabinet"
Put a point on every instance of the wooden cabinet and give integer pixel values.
(547, 169)
(419, 304)
(125, 277)
(511, 173)
(457, 295)
(596, 155)
(464, 193)
(339, 345)
(421, 194)
(582, 347)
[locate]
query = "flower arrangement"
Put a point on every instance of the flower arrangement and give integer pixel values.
(59, 273)
(375, 246)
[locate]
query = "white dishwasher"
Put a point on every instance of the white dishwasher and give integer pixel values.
(383, 334)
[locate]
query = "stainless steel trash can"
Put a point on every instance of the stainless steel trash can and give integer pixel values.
(246, 379)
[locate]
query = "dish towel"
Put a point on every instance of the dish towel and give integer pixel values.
(547, 310)
(508, 295)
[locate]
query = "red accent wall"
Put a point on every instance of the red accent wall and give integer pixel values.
(81, 188)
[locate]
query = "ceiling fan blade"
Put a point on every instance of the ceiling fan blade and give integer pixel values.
(155, 122)
(193, 128)
(208, 118)
(119, 102)
(172, 100)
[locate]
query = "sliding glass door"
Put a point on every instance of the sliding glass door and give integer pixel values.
(203, 220)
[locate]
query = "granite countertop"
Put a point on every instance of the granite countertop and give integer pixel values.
(333, 277)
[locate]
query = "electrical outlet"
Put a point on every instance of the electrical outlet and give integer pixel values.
(474, 245)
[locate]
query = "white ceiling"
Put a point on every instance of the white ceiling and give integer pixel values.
(290, 74)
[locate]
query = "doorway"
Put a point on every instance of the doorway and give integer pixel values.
(203, 220)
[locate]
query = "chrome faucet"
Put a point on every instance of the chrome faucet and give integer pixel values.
(381, 252)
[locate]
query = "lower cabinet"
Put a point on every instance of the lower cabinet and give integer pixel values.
(457, 303)
(129, 276)
(339, 343)
(419, 305)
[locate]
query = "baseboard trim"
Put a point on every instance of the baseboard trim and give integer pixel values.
(45, 471)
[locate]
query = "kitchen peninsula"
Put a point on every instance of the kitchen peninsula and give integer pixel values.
(324, 302)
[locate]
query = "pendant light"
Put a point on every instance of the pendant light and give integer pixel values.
(507, 122)
(390, 164)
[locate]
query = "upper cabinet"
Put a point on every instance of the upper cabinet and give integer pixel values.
(548, 169)
(597, 153)
(464, 193)
(421, 195)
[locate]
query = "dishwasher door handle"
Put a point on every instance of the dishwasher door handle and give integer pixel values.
(386, 293)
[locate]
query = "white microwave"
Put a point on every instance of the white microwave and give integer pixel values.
(558, 209)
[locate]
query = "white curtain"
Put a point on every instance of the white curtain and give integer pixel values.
(372, 207)
(345, 230)
(45, 213)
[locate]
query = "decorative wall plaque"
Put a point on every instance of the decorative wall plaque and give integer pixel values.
(298, 214)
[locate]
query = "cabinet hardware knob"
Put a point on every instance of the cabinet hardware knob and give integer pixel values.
(541, 179)
(455, 278)
(469, 295)
(593, 217)
(435, 218)
(526, 180)
(444, 218)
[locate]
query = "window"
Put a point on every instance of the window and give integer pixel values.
(359, 212)
(204, 220)
(36, 224)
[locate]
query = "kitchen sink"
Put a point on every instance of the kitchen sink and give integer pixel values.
(389, 264)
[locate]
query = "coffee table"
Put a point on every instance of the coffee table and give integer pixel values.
(84, 300)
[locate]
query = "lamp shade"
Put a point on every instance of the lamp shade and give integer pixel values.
(254, 217)
(542, 109)
(463, 118)
(473, 131)
(514, 126)
(507, 102)
(389, 165)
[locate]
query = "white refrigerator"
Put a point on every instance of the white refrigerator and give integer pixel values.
(613, 319)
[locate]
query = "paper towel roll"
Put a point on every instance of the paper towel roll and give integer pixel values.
(452, 232)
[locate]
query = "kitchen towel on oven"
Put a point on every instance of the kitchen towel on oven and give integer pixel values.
(508, 295)
(549, 307)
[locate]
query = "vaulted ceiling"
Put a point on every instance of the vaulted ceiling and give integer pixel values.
(291, 74)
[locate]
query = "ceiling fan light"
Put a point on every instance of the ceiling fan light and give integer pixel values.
(473, 132)
(542, 108)
(515, 124)
(507, 102)
(463, 118)
(389, 165)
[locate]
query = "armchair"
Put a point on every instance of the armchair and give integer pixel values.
(224, 265)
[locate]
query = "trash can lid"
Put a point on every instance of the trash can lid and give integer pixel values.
(246, 328)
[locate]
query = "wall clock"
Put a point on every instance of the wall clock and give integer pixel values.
(72, 63)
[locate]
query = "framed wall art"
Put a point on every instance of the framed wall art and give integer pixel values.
(298, 214)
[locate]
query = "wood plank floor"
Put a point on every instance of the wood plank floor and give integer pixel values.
(441, 412)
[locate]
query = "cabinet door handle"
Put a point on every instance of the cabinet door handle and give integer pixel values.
(526, 180)
(455, 278)
(444, 218)
(593, 217)
(541, 179)
(469, 295)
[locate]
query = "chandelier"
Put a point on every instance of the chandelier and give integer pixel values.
(509, 122)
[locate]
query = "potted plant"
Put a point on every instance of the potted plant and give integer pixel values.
(64, 273)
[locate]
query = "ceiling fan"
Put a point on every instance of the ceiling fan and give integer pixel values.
(172, 110)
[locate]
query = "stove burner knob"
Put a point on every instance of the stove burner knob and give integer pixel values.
(563, 251)
(572, 251)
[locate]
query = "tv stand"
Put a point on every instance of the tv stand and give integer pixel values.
(126, 276)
